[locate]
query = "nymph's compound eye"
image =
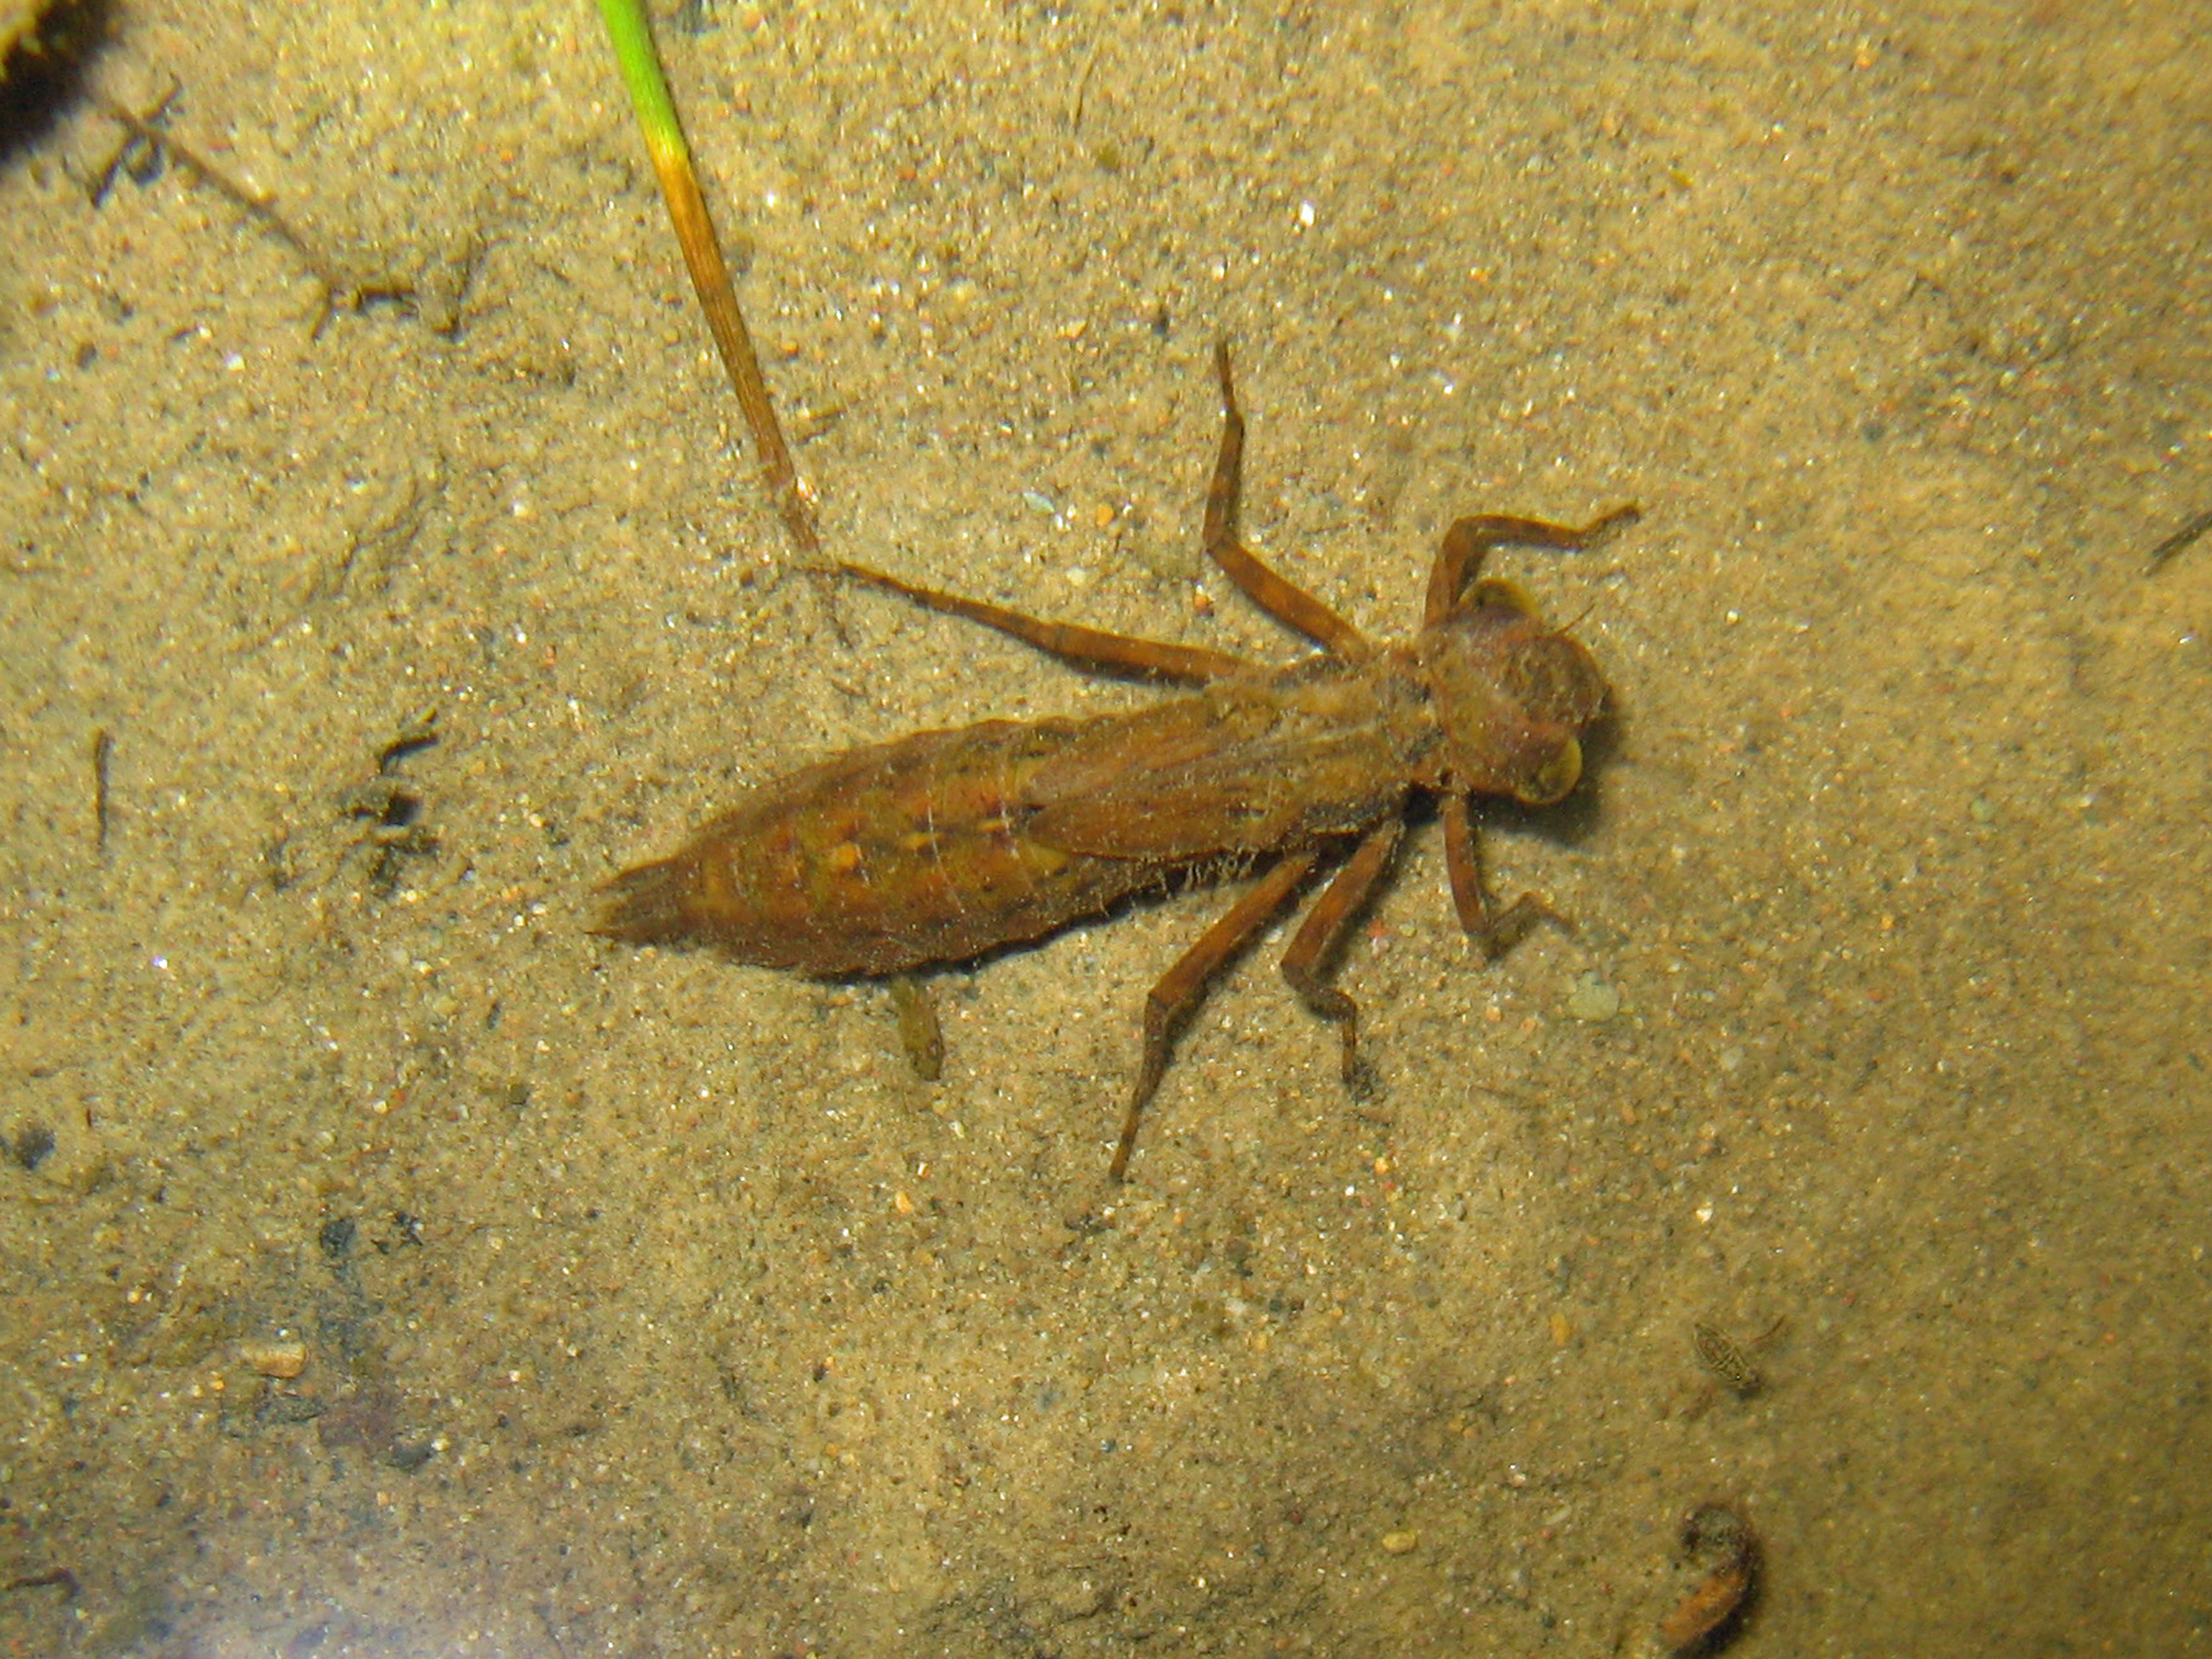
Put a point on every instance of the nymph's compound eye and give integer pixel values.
(1555, 779)
(1496, 593)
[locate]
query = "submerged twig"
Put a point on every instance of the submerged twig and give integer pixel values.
(103, 750)
(2180, 538)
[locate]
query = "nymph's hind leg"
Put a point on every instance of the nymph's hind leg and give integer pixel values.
(1287, 604)
(1333, 912)
(1494, 930)
(1468, 542)
(1086, 647)
(1169, 1001)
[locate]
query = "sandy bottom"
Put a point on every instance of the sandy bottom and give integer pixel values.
(389, 1267)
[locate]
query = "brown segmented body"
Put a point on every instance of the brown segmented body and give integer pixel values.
(944, 845)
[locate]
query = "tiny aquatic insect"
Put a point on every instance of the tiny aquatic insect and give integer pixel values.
(1728, 1359)
(941, 845)
(1718, 1353)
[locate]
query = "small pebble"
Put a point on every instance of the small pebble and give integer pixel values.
(284, 1359)
(1592, 999)
(1703, 1620)
(1403, 1542)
